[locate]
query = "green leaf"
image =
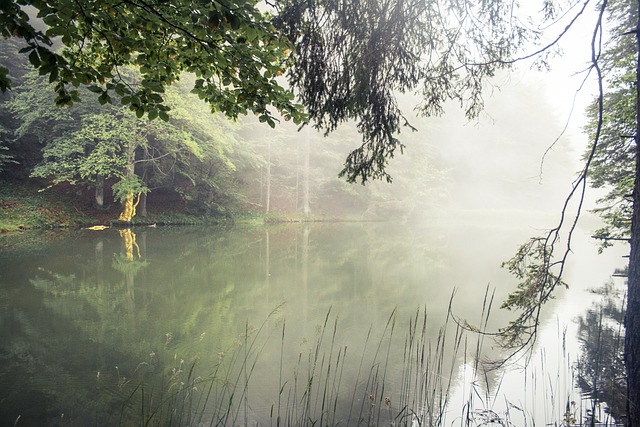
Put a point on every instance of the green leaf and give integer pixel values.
(34, 59)
(271, 122)
(53, 76)
(104, 98)
(153, 85)
(120, 90)
(5, 82)
(51, 20)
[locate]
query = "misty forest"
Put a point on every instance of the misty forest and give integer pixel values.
(319, 212)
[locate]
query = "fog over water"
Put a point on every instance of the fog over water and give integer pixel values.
(84, 315)
(509, 173)
(498, 174)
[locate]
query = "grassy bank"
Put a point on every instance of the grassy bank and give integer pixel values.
(24, 207)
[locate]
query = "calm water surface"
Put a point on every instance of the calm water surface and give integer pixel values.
(98, 327)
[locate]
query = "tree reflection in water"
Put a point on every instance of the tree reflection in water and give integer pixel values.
(129, 238)
(129, 264)
(600, 368)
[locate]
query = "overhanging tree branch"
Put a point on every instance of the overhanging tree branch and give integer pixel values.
(540, 272)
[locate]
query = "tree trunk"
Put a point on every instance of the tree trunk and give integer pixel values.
(100, 191)
(267, 265)
(129, 206)
(267, 202)
(632, 320)
(142, 207)
(296, 203)
(306, 208)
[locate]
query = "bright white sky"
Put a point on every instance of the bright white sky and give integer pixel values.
(563, 83)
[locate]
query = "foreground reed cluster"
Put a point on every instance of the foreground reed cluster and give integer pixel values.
(328, 386)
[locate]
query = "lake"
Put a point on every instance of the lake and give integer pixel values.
(337, 323)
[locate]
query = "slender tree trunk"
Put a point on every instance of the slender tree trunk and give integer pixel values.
(306, 208)
(296, 205)
(142, 207)
(100, 191)
(267, 265)
(632, 320)
(267, 202)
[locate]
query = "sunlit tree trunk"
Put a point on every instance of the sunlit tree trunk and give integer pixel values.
(632, 320)
(129, 207)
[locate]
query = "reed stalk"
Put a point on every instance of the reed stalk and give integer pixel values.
(315, 390)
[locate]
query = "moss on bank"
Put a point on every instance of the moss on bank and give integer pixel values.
(25, 208)
(22, 208)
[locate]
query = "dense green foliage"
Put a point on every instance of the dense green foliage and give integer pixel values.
(196, 163)
(343, 60)
(199, 163)
(91, 144)
(191, 158)
(230, 46)
(613, 164)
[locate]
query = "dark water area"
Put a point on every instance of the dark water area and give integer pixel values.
(106, 327)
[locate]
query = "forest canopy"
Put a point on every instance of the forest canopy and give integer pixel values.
(342, 60)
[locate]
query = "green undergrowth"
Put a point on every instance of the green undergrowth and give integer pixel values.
(172, 218)
(27, 208)
(23, 208)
